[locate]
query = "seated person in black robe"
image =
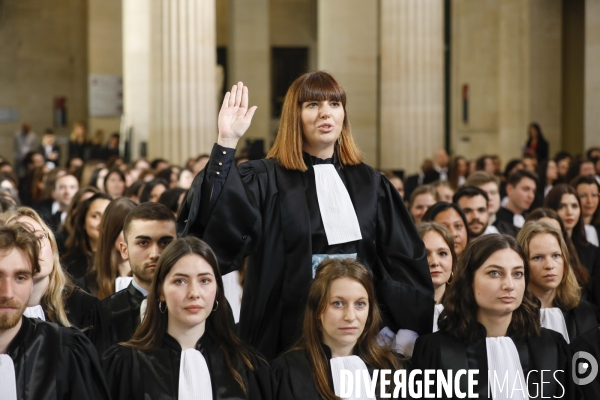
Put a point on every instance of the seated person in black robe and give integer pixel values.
(341, 325)
(186, 347)
(39, 360)
(148, 229)
(82, 243)
(588, 342)
(553, 282)
(584, 277)
(451, 217)
(54, 297)
(565, 201)
(278, 214)
(491, 322)
(520, 188)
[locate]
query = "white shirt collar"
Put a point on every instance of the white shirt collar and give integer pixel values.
(139, 288)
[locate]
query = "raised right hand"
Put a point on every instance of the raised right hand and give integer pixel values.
(234, 117)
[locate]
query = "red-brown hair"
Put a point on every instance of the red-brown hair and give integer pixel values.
(312, 86)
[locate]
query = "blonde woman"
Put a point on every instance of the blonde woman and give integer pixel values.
(553, 281)
(54, 298)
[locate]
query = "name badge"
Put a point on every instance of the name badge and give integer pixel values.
(319, 258)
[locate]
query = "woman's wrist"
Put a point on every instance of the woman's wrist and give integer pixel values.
(227, 142)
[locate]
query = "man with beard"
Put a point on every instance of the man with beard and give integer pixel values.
(474, 203)
(147, 230)
(38, 359)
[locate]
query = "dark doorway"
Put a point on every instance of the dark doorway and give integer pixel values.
(287, 63)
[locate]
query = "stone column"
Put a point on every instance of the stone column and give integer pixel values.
(412, 82)
(509, 54)
(249, 61)
(347, 48)
(169, 76)
(592, 74)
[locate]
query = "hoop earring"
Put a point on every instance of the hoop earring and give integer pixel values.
(217, 306)
(339, 140)
(451, 279)
(160, 309)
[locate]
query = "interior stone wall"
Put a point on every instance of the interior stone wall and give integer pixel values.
(44, 55)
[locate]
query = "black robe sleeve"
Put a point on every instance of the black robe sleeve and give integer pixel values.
(401, 273)
(79, 375)
(245, 186)
(427, 353)
(292, 379)
(117, 364)
(259, 381)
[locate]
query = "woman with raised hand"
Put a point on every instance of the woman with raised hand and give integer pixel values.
(439, 244)
(54, 297)
(310, 199)
(340, 331)
(491, 323)
(186, 347)
(553, 282)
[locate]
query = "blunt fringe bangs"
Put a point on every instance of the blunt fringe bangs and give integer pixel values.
(312, 86)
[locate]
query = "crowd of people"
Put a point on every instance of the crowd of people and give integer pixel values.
(230, 278)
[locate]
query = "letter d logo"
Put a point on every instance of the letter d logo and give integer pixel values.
(590, 364)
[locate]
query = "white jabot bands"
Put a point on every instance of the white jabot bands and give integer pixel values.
(122, 282)
(436, 315)
(337, 212)
(143, 307)
(553, 318)
(503, 361)
(35, 312)
(8, 380)
(352, 364)
(194, 377)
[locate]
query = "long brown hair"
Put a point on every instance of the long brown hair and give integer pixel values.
(459, 317)
(152, 331)
(108, 257)
(311, 340)
(78, 242)
(581, 273)
(553, 199)
(429, 226)
(568, 292)
(312, 86)
(60, 286)
(68, 225)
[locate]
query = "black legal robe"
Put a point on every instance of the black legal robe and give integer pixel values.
(271, 214)
(549, 351)
(53, 362)
(590, 258)
(504, 222)
(84, 312)
(292, 376)
(580, 319)
(590, 343)
(122, 313)
(139, 375)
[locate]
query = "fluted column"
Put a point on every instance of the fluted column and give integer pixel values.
(347, 48)
(412, 82)
(169, 76)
